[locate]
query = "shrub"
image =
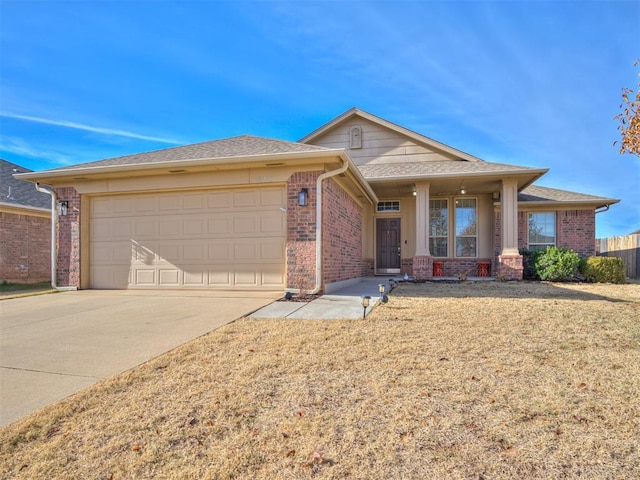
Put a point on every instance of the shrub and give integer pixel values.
(556, 264)
(604, 270)
(528, 263)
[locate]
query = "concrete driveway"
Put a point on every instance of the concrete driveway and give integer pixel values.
(52, 346)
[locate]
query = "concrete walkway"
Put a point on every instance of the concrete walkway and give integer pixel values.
(345, 303)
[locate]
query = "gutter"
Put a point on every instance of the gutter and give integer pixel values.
(54, 230)
(332, 173)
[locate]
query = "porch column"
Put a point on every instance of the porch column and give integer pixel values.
(422, 219)
(509, 260)
(422, 261)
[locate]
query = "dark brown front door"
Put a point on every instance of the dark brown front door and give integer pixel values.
(388, 245)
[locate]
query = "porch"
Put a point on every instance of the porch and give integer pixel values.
(448, 228)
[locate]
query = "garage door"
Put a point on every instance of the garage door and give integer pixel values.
(231, 239)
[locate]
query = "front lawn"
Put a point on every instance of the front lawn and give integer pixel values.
(12, 290)
(471, 380)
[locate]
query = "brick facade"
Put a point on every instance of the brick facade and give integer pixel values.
(343, 224)
(422, 267)
(509, 267)
(68, 244)
(453, 267)
(576, 229)
(341, 235)
(25, 248)
(301, 232)
(406, 266)
(342, 232)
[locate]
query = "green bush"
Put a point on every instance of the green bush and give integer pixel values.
(556, 264)
(603, 270)
(528, 262)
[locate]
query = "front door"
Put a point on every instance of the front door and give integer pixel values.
(388, 245)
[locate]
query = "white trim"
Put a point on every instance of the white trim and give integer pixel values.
(388, 211)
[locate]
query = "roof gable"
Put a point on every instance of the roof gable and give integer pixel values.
(382, 141)
(18, 193)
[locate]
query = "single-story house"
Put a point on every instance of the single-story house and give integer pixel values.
(25, 229)
(358, 196)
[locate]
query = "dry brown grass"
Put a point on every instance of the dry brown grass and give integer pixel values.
(487, 380)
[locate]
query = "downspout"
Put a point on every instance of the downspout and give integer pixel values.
(54, 228)
(606, 209)
(319, 180)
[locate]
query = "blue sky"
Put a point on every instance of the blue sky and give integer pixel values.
(522, 82)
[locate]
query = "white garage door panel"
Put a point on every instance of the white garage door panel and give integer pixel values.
(212, 239)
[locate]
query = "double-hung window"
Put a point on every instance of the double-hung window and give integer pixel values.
(466, 227)
(542, 230)
(439, 227)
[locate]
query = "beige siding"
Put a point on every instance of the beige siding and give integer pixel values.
(227, 238)
(407, 216)
(379, 144)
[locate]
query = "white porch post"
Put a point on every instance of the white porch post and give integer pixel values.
(509, 262)
(422, 220)
(422, 260)
(509, 210)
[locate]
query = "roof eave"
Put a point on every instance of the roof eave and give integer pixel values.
(17, 206)
(360, 180)
(537, 173)
(52, 175)
(604, 202)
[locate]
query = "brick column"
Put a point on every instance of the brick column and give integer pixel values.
(301, 232)
(68, 241)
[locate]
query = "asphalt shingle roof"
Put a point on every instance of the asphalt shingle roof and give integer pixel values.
(19, 193)
(534, 193)
(453, 167)
(240, 146)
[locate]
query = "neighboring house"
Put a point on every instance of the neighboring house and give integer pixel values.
(358, 196)
(25, 229)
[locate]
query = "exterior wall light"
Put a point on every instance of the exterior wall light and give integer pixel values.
(63, 207)
(365, 303)
(303, 197)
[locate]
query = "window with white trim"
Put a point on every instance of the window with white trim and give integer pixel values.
(466, 225)
(391, 206)
(542, 230)
(439, 227)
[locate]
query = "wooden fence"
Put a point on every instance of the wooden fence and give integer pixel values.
(627, 248)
